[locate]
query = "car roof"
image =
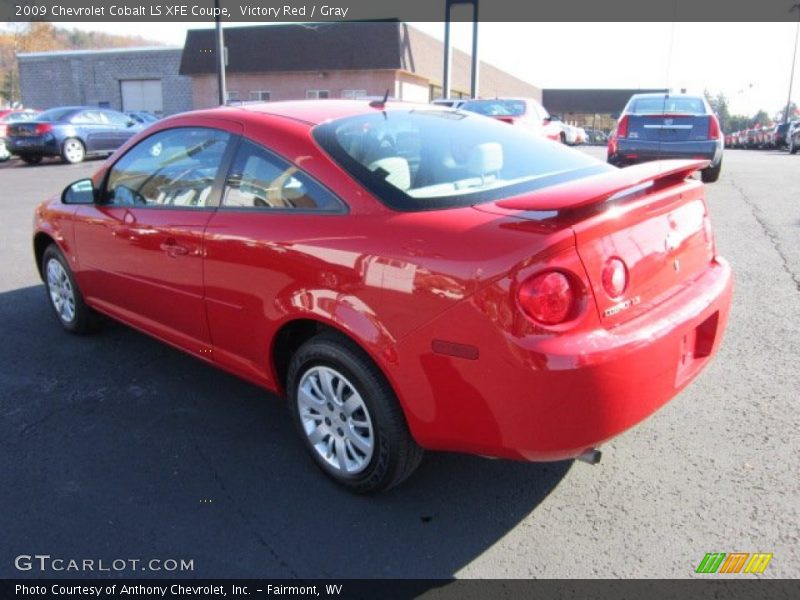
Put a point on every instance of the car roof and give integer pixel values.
(314, 112)
(667, 95)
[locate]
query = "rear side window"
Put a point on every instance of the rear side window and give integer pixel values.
(172, 168)
(259, 179)
(426, 159)
(669, 104)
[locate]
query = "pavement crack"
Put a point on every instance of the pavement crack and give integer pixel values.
(251, 527)
(771, 235)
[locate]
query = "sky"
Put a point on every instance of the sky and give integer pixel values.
(749, 62)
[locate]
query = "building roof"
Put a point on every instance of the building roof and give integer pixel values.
(296, 47)
(344, 45)
(589, 100)
(57, 53)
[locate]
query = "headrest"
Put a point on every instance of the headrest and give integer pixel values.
(399, 173)
(485, 159)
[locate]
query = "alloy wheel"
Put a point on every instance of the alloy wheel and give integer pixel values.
(335, 420)
(61, 293)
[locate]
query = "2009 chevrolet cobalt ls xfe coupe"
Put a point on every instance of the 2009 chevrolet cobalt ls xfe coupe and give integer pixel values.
(407, 276)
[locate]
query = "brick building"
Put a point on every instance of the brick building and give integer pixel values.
(120, 78)
(334, 60)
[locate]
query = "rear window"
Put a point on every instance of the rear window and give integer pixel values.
(496, 108)
(430, 158)
(55, 114)
(669, 104)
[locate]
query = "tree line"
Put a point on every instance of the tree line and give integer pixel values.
(42, 36)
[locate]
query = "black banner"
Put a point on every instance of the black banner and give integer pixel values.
(401, 589)
(406, 10)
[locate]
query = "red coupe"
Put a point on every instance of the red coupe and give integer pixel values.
(407, 276)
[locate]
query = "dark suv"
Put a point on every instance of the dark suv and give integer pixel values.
(658, 126)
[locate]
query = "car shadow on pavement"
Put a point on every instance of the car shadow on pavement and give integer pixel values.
(115, 446)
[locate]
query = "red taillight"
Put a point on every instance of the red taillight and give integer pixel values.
(42, 128)
(713, 128)
(622, 127)
(547, 297)
(615, 277)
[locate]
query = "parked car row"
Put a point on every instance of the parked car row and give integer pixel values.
(71, 132)
(774, 137)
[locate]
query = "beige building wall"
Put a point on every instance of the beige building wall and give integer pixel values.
(294, 86)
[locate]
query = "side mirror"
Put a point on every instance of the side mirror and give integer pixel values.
(553, 118)
(615, 116)
(79, 192)
(131, 122)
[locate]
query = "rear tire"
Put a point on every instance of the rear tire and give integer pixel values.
(792, 146)
(348, 416)
(73, 151)
(711, 174)
(65, 297)
(563, 137)
(31, 159)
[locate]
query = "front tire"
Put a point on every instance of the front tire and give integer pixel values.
(65, 297)
(73, 151)
(711, 174)
(348, 416)
(792, 146)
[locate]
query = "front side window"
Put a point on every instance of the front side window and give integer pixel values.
(172, 168)
(259, 179)
(431, 158)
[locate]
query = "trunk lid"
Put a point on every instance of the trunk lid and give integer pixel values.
(26, 129)
(668, 127)
(650, 216)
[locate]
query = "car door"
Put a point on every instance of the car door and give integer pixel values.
(90, 130)
(120, 128)
(140, 247)
(270, 237)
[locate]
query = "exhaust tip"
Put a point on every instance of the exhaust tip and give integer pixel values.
(591, 456)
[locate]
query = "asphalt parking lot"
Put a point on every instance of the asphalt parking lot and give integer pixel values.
(117, 446)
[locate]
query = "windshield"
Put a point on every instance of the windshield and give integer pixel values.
(432, 158)
(668, 104)
(496, 108)
(55, 114)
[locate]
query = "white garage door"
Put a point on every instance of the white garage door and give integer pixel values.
(142, 94)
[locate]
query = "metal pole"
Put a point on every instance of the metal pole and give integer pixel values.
(475, 62)
(447, 50)
(794, 58)
(223, 94)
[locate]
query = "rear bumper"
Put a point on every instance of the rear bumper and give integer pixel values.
(548, 398)
(45, 145)
(635, 151)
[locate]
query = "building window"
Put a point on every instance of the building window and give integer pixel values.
(232, 96)
(353, 94)
(259, 96)
(317, 94)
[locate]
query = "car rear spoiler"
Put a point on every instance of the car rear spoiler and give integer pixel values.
(600, 188)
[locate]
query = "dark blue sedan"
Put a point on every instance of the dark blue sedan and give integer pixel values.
(658, 126)
(73, 133)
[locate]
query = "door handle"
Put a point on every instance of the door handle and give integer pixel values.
(174, 249)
